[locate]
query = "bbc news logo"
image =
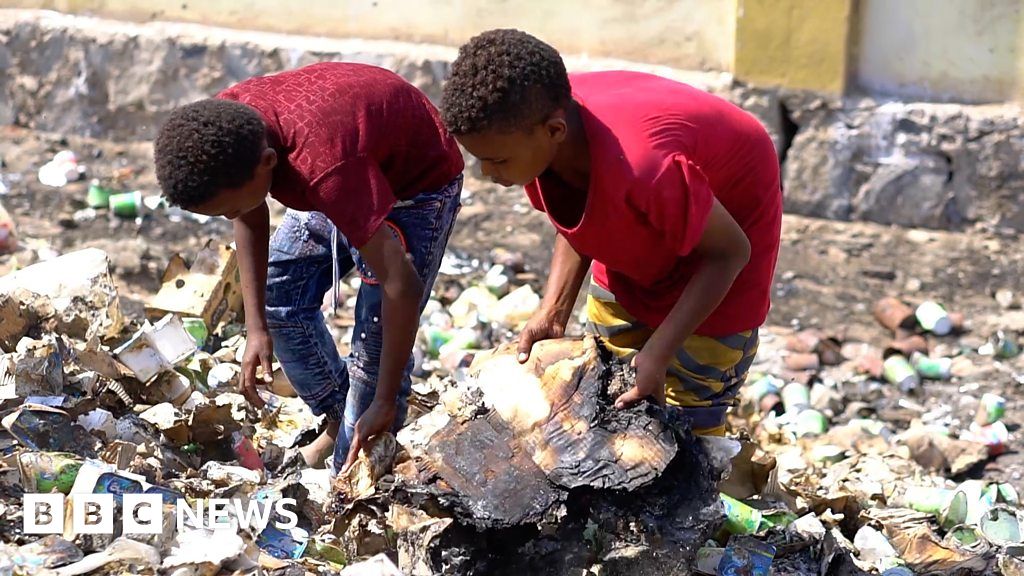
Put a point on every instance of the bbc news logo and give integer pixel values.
(144, 514)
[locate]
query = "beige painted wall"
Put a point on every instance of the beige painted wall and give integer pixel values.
(689, 34)
(957, 50)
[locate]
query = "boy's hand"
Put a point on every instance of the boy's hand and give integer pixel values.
(650, 380)
(259, 351)
(379, 417)
(542, 326)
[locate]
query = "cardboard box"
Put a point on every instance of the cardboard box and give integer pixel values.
(210, 289)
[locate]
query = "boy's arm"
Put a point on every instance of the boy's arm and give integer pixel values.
(403, 291)
(568, 269)
(723, 250)
(252, 238)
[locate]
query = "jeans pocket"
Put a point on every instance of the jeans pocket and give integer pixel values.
(416, 227)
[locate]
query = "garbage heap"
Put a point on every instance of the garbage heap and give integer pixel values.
(878, 458)
(503, 468)
(848, 457)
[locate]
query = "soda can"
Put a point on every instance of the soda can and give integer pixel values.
(98, 195)
(927, 499)
(893, 314)
(932, 368)
(934, 318)
(964, 535)
(796, 397)
(991, 410)
(739, 518)
(897, 370)
(41, 472)
(245, 452)
(127, 204)
(1001, 526)
(811, 423)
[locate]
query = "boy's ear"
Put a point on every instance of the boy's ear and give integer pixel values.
(268, 160)
(556, 126)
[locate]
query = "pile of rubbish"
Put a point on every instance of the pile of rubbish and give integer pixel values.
(845, 457)
(864, 459)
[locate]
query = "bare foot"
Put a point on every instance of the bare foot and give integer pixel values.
(316, 452)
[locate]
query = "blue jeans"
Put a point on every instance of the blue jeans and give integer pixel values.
(301, 272)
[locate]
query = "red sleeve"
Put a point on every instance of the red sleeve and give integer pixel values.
(356, 197)
(677, 203)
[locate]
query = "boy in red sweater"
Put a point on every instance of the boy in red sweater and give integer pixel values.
(671, 196)
(372, 181)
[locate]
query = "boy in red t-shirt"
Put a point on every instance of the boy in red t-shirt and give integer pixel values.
(671, 193)
(372, 181)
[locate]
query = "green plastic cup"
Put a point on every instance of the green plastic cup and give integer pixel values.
(126, 205)
(98, 195)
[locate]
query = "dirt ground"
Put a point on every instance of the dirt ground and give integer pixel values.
(829, 273)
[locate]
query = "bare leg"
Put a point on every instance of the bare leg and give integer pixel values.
(317, 451)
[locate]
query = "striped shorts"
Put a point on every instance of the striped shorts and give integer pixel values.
(706, 373)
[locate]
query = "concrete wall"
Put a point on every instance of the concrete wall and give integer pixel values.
(793, 43)
(688, 34)
(953, 50)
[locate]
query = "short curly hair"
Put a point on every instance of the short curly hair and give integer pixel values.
(205, 147)
(503, 80)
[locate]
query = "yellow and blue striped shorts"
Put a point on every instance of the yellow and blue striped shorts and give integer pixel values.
(706, 374)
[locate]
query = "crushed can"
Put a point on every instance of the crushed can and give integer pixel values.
(747, 556)
(991, 409)
(932, 368)
(246, 452)
(42, 472)
(740, 518)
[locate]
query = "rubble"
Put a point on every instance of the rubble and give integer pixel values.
(72, 295)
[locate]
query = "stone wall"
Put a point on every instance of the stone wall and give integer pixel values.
(854, 158)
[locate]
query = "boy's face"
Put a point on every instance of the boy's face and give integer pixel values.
(516, 157)
(234, 202)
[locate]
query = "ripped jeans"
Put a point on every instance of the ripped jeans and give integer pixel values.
(302, 270)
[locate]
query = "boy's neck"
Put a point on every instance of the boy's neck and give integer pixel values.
(572, 160)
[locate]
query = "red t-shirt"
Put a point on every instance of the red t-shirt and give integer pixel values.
(659, 151)
(351, 139)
